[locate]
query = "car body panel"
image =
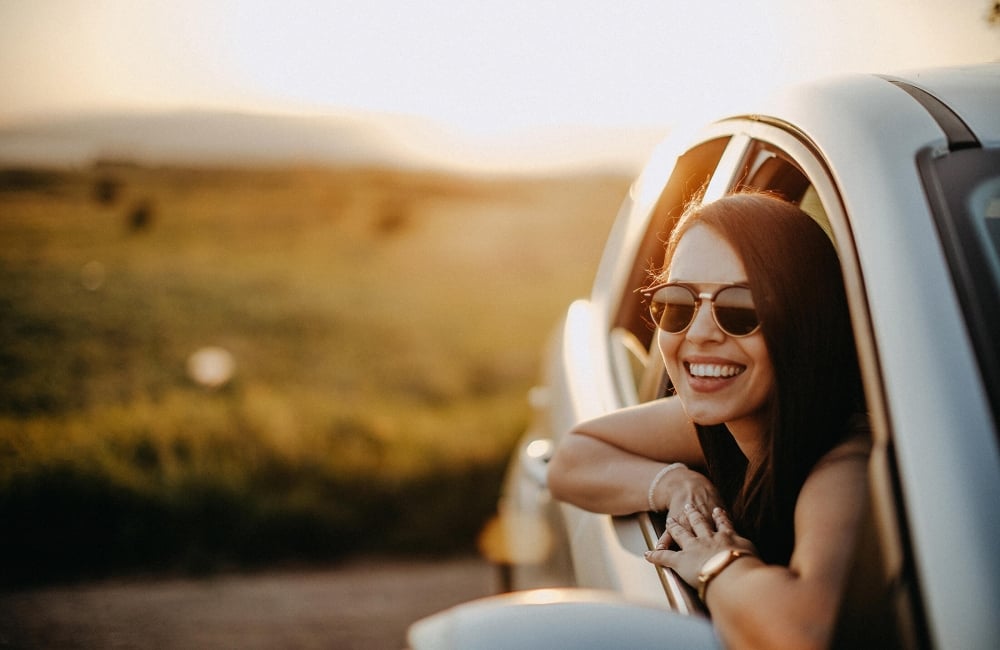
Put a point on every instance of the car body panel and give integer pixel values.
(559, 618)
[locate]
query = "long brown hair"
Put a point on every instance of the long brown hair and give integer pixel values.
(794, 274)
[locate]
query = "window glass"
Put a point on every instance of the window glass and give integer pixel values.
(771, 170)
(964, 192)
(984, 213)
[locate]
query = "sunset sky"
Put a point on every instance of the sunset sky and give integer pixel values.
(482, 67)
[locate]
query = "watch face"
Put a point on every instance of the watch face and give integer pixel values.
(715, 562)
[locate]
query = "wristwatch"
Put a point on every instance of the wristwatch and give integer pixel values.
(714, 565)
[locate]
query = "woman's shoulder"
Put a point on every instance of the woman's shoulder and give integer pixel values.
(843, 472)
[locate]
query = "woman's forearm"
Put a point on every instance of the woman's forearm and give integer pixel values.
(597, 476)
(607, 464)
(759, 606)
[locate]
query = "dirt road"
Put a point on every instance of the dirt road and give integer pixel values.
(365, 604)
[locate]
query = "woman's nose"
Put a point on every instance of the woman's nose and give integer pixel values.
(703, 326)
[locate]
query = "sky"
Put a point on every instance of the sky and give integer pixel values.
(482, 67)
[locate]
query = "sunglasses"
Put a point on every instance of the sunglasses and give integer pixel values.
(673, 307)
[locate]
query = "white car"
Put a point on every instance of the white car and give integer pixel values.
(905, 170)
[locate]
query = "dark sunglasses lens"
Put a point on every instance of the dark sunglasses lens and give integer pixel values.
(672, 308)
(735, 312)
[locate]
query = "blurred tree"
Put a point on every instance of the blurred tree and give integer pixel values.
(141, 216)
(106, 190)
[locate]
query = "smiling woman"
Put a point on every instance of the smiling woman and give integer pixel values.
(778, 476)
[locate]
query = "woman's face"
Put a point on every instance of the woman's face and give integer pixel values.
(693, 358)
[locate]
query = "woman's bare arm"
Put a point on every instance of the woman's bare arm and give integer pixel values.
(607, 464)
(754, 605)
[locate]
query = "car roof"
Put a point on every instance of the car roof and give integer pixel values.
(910, 110)
(970, 91)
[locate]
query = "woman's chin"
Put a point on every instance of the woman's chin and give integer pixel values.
(703, 417)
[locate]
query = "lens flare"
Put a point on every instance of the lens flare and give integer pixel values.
(211, 367)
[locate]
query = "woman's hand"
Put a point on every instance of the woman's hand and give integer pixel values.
(699, 537)
(683, 488)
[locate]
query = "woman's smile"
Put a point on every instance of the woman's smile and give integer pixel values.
(711, 370)
(712, 376)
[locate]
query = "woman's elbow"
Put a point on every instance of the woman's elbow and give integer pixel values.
(567, 469)
(559, 475)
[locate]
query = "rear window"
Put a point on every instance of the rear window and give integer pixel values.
(963, 188)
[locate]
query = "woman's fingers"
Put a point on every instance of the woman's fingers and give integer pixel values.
(722, 521)
(661, 556)
(677, 531)
(665, 541)
(699, 523)
(694, 524)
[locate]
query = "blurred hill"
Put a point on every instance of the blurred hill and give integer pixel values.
(379, 287)
(205, 137)
(379, 329)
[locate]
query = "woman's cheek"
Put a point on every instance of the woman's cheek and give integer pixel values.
(668, 345)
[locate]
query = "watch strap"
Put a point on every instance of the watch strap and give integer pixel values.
(715, 565)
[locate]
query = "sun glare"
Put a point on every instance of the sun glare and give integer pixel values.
(485, 69)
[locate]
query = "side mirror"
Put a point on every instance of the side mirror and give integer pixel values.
(560, 618)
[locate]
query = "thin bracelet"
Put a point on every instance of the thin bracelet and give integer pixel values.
(656, 480)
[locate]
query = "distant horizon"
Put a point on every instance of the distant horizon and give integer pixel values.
(202, 135)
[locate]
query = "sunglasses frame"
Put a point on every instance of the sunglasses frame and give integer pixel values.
(699, 298)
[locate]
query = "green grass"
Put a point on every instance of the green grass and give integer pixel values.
(385, 327)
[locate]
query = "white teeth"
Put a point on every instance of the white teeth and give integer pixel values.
(713, 370)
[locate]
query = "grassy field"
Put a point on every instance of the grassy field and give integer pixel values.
(385, 326)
